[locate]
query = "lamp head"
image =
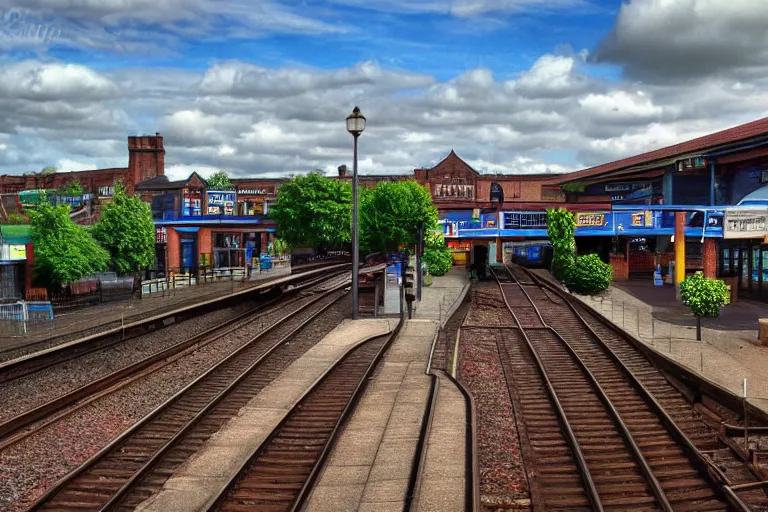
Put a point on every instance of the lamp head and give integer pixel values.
(356, 122)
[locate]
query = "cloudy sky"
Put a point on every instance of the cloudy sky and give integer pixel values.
(262, 87)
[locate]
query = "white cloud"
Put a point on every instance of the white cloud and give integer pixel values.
(251, 120)
(684, 39)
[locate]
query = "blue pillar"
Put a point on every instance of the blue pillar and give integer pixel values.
(666, 186)
(712, 183)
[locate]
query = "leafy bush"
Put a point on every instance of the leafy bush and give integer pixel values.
(439, 261)
(560, 225)
(704, 296)
(16, 219)
(73, 189)
(219, 181)
(589, 275)
(436, 255)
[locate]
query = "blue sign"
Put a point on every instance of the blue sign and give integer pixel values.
(221, 203)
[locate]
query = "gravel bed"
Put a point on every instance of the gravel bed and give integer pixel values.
(33, 465)
(33, 390)
(502, 473)
(486, 297)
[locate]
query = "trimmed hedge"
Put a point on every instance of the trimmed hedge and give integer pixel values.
(589, 275)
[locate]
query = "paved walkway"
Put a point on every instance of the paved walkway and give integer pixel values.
(729, 351)
(439, 300)
(128, 309)
(370, 465)
(442, 485)
(196, 484)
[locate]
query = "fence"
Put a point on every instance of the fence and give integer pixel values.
(16, 318)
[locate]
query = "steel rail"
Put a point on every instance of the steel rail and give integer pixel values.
(645, 467)
(705, 466)
(88, 464)
(305, 491)
(570, 436)
(128, 374)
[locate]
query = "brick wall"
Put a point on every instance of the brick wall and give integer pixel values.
(709, 257)
(620, 267)
(204, 241)
(174, 248)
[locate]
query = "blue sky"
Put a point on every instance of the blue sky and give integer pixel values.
(262, 87)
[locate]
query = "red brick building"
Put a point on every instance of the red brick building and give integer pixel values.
(146, 160)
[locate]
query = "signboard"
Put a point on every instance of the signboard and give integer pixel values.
(254, 191)
(642, 219)
(106, 191)
(13, 252)
(161, 235)
(590, 219)
(618, 187)
(742, 223)
(221, 203)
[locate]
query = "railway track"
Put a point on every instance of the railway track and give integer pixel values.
(24, 365)
(136, 464)
(280, 474)
(582, 407)
(26, 423)
(696, 427)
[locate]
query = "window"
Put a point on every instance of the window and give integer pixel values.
(525, 220)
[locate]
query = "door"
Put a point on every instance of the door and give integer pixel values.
(492, 253)
(188, 255)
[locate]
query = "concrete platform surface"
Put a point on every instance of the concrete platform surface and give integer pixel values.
(443, 297)
(442, 483)
(196, 483)
(370, 465)
(728, 351)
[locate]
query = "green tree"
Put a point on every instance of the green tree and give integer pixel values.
(220, 181)
(64, 251)
(72, 189)
(704, 296)
(47, 171)
(314, 211)
(391, 212)
(127, 231)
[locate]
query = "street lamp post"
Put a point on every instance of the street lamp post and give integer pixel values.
(355, 126)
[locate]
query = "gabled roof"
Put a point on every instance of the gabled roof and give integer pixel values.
(162, 183)
(452, 155)
(661, 156)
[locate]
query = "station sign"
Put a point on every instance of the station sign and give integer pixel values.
(745, 223)
(590, 219)
(256, 191)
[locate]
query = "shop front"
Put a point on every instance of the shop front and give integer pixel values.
(235, 248)
(743, 253)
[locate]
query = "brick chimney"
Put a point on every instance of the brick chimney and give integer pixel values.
(146, 159)
(342, 171)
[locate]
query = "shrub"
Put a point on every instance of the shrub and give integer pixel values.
(589, 275)
(438, 260)
(560, 226)
(704, 296)
(17, 219)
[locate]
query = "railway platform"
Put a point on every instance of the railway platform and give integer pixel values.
(370, 466)
(109, 314)
(196, 485)
(728, 352)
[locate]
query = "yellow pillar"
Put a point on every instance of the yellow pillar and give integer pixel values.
(679, 250)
